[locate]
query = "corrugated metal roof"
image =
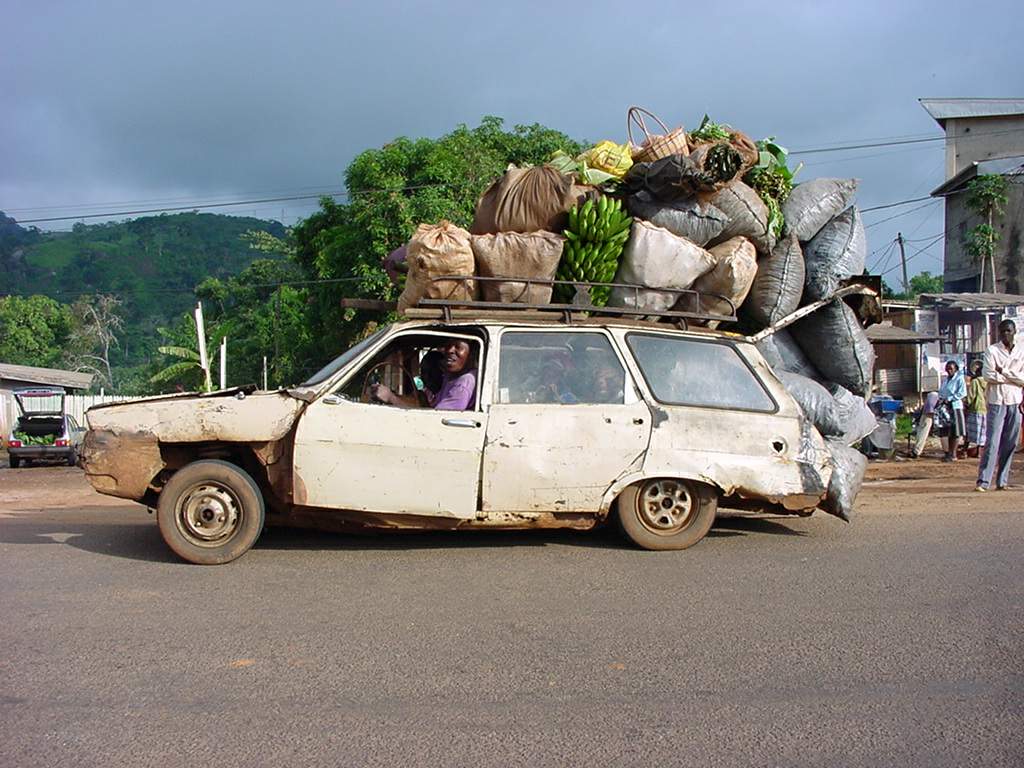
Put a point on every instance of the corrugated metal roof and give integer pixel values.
(1004, 166)
(942, 110)
(972, 301)
(54, 376)
(884, 333)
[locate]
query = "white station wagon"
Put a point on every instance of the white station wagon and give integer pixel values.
(568, 423)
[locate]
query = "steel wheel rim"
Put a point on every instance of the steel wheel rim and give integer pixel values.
(665, 507)
(208, 514)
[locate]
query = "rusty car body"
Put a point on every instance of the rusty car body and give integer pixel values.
(650, 423)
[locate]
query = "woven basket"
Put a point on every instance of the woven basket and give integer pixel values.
(654, 146)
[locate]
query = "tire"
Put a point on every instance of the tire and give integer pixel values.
(666, 513)
(14, 461)
(72, 459)
(210, 512)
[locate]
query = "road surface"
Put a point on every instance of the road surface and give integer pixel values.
(894, 640)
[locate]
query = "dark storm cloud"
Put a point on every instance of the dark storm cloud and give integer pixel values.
(187, 100)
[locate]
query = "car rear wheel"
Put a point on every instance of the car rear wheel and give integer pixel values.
(666, 513)
(15, 461)
(210, 512)
(72, 459)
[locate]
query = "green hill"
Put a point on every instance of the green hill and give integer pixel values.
(151, 263)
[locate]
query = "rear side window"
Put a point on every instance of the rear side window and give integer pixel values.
(559, 368)
(700, 373)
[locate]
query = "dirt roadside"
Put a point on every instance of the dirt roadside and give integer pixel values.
(902, 486)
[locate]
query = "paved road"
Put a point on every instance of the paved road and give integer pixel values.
(893, 641)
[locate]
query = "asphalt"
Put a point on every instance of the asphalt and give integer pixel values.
(896, 640)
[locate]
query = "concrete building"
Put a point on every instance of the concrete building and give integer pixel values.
(983, 136)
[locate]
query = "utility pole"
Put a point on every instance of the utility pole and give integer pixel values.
(264, 372)
(903, 262)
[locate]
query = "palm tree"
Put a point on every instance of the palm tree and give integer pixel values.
(188, 362)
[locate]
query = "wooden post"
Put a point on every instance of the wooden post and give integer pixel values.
(224, 362)
(204, 361)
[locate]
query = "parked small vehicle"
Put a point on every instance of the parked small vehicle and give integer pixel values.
(44, 431)
(569, 425)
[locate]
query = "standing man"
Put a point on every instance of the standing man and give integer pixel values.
(1003, 369)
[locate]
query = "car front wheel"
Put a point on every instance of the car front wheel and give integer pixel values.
(665, 513)
(210, 512)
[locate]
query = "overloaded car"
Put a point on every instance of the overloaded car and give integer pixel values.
(43, 431)
(485, 421)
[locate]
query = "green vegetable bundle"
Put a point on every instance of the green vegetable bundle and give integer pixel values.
(594, 242)
(772, 180)
(27, 439)
(722, 162)
(710, 131)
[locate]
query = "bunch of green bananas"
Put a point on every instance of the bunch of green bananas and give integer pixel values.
(593, 246)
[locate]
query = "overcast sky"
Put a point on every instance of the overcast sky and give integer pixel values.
(108, 106)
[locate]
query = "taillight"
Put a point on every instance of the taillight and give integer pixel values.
(62, 443)
(14, 443)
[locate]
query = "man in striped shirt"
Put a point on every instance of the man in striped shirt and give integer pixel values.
(1003, 369)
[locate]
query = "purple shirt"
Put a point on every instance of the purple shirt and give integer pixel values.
(456, 392)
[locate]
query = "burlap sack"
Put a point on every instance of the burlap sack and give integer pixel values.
(814, 400)
(779, 283)
(838, 251)
(669, 178)
(656, 258)
(436, 250)
(526, 200)
(848, 468)
(782, 353)
(834, 341)
(731, 278)
(748, 216)
(696, 221)
(512, 254)
(811, 205)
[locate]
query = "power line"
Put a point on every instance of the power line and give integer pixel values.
(848, 147)
(57, 293)
(901, 142)
(918, 252)
(169, 200)
(898, 215)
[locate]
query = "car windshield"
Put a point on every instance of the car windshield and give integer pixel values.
(342, 360)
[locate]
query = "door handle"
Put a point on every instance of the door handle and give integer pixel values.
(468, 423)
(334, 399)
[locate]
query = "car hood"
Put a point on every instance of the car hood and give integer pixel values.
(231, 415)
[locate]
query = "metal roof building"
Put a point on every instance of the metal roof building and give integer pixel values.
(942, 110)
(13, 376)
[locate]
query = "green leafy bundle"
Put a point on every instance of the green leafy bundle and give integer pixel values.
(595, 238)
(772, 180)
(711, 131)
(578, 167)
(27, 439)
(722, 162)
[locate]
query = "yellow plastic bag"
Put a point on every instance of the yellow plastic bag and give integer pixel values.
(609, 157)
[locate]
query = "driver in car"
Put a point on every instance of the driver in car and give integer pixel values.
(458, 381)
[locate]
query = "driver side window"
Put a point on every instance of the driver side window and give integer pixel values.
(420, 371)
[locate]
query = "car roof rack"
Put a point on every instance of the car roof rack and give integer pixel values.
(685, 303)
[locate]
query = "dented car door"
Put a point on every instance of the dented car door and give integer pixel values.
(566, 421)
(388, 459)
